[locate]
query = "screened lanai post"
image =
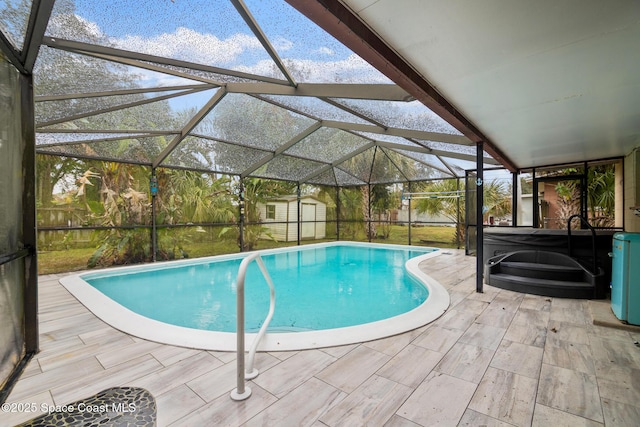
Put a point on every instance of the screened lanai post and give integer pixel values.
(299, 213)
(369, 224)
(29, 224)
(536, 202)
(241, 215)
(409, 229)
(153, 190)
(458, 228)
(338, 213)
(479, 219)
(20, 332)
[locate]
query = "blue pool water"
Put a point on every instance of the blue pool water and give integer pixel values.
(316, 288)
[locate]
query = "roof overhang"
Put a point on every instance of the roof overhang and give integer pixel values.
(538, 82)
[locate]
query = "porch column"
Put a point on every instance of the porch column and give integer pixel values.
(514, 199)
(458, 216)
(479, 219)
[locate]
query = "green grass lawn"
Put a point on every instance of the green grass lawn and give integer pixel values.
(61, 261)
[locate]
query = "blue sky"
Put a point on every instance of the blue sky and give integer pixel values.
(292, 34)
(212, 32)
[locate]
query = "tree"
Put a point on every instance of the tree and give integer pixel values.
(351, 212)
(122, 202)
(193, 197)
(382, 200)
(50, 173)
(497, 199)
(450, 207)
(601, 195)
(377, 165)
(259, 191)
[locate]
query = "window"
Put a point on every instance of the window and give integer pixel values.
(271, 211)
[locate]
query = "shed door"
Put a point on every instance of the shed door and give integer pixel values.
(308, 214)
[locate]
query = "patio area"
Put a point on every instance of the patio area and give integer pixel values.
(498, 358)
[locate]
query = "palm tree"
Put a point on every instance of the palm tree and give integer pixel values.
(377, 165)
(601, 195)
(202, 198)
(450, 207)
(497, 201)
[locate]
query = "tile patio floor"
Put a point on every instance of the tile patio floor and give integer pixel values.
(498, 359)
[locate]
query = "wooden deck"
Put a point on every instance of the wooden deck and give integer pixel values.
(498, 358)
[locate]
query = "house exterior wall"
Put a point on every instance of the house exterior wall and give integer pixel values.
(525, 210)
(632, 190)
(552, 217)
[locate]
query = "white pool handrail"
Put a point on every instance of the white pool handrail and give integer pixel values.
(242, 392)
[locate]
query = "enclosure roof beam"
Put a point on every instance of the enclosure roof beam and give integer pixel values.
(337, 162)
(281, 149)
(38, 21)
(446, 164)
(378, 92)
(343, 24)
(43, 150)
(80, 47)
(11, 53)
(114, 131)
(62, 97)
(151, 67)
(197, 118)
(353, 112)
(117, 107)
(438, 154)
(257, 31)
(237, 144)
(421, 149)
(91, 141)
(422, 162)
(384, 151)
(406, 133)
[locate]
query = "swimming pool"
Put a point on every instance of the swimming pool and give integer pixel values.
(326, 294)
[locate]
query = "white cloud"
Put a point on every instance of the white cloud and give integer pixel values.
(190, 45)
(149, 78)
(74, 27)
(352, 69)
(265, 68)
(325, 51)
(240, 52)
(281, 44)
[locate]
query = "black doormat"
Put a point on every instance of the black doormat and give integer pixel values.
(113, 407)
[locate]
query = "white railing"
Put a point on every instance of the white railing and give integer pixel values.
(242, 392)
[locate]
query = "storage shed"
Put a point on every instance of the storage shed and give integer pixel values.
(280, 216)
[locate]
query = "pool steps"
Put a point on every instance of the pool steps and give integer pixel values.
(544, 273)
